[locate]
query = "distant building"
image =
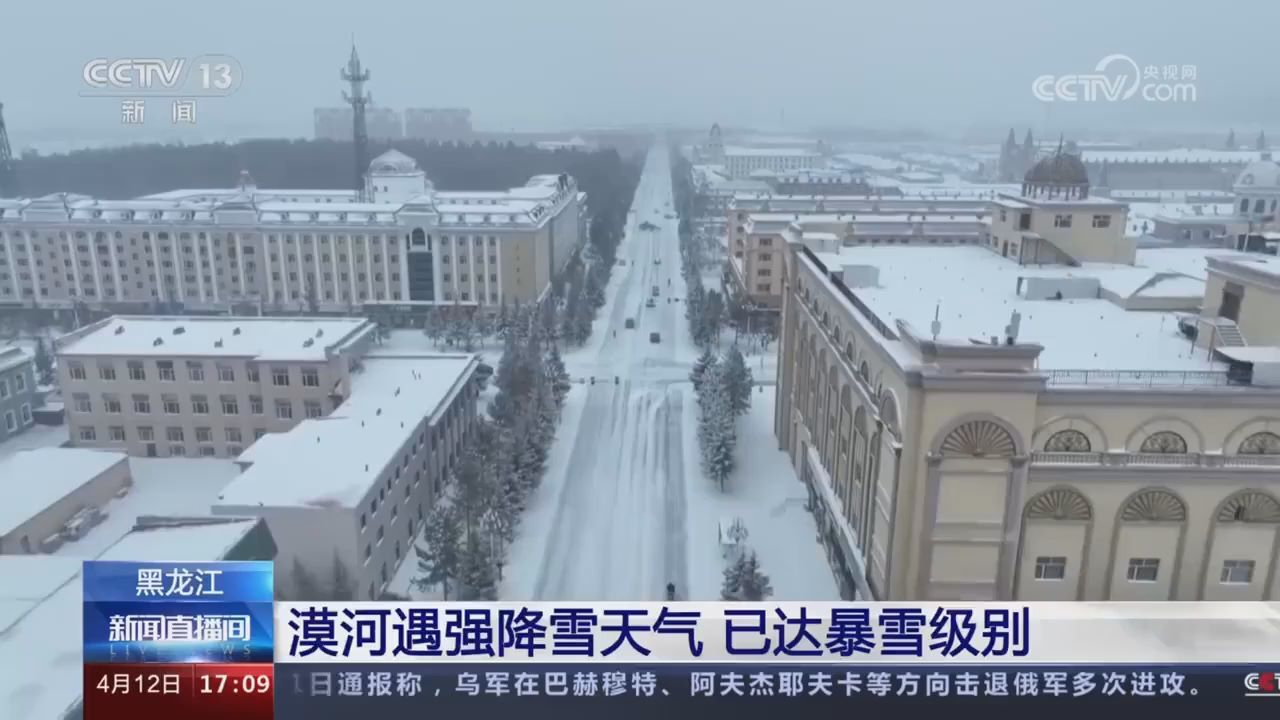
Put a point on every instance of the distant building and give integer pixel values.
(1046, 414)
(249, 248)
(17, 391)
(1016, 160)
(438, 124)
(336, 124)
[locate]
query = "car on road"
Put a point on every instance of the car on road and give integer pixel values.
(657, 261)
(648, 226)
(655, 291)
(649, 303)
(631, 324)
(655, 337)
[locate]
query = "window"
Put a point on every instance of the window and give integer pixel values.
(226, 373)
(174, 434)
(364, 521)
(204, 434)
(313, 409)
(177, 450)
(1237, 572)
(137, 371)
(259, 433)
(233, 435)
(111, 403)
(76, 370)
(368, 553)
(88, 434)
(253, 374)
(166, 370)
(116, 433)
(255, 404)
(1102, 221)
(4, 388)
(1062, 221)
(284, 409)
(1051, 568)
(208, 451)
(171, 406)
(195, 371)
(1143, 569)
(142, 404)
(311, 377)
(200, 404)
(234, 450)
(81, 403)
(19, 382)
(26, 414)
(106, 371)
(10, 421)
(280, 376)
(146, 433)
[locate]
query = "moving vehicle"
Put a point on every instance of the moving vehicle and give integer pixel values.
(655, 337)
(657, 261)
(649, 303)
(631, 324)
(655, 291)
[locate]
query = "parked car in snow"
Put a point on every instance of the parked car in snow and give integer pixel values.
(649, 303)
(655, 337)
(631, 324)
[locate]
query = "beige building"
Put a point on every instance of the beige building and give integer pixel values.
(49, 496)
(291, 250)
(1029, 417)
(203, 386)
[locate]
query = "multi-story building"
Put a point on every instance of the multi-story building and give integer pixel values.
(438, 124)
(742, 162)
(1029, 417)
(203, 386)
(17, 391)
(285, 250)
(352, 489)
(336, 124)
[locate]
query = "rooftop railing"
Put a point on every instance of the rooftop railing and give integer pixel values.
(1142, 378)
(1165, 460)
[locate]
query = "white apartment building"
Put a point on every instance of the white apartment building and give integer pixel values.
(354, 487)
(291, 250)
(1048, 414)
(741, 162)
(203, 386)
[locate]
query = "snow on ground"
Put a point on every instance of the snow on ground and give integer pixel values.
(37, 436)
(765, 493)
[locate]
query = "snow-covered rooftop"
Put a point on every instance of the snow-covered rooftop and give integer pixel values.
(732, 150)
(1257, 262)
(33, 480)
(975, 292)
(1175, 155)
(296, 339)
(335, 459)
(13, 356)
(1192, 262)
(41, 614)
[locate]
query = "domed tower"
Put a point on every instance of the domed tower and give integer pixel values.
(1060, 176)
(1257, 190)
(396, 178)
(715, 145)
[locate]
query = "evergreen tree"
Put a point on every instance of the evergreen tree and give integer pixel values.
(503, 409)
(505, 375)
(343, 586)
(305, 586)
(477, 569)
(558, 375)
(439, 560)
(482, 326)
(738, 381)
(731, 587)
(720, 461)
(435, 326)
(705, 362)
(457, 327)
(754, 585)
(44, 362)
(471, 491)
(502, 323)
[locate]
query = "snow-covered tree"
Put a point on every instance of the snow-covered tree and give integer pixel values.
(731, 586)
(502, 323)
(439, 558)
(436, 326)
(720, 461)
(705, 362)
(483, 325)
(344, 588)
(305, 585)
(557, 375)
(754, 585)
(44, 363)
(738, 380)
(478, 577)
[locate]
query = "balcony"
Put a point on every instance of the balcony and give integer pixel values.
(1154, 460)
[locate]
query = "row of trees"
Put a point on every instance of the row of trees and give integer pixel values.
(723, 387)
(469, 530)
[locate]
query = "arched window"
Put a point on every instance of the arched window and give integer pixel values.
(1154, 505)
(979, 438)
(1260, 443)
(1059, 504)
(1165, 442)
(865, 372)
(1068, 441)
(1249, 506)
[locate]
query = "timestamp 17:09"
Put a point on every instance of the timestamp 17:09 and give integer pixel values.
(214, 684)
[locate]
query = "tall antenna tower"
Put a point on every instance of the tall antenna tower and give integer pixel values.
(358, 99)
(8, 173)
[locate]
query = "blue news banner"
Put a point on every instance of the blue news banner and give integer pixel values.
(407, 660)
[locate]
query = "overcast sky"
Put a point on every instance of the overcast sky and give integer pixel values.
(937, 65)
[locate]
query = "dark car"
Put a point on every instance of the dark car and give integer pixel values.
(631, 324)
(655, 337)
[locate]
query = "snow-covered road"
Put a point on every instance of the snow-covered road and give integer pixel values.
(618, 523)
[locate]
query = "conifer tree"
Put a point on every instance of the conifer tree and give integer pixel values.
(478, 569)
(754, 585)
(44, 362)
(305, 586)
(738, 381)
(439, 558)
(343, 586)
(705, 362)
(731, 587)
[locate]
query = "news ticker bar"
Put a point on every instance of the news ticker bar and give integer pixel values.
(184, 691)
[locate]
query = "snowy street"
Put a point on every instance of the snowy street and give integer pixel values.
(611, 520)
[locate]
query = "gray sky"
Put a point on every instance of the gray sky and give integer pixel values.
(545, 64)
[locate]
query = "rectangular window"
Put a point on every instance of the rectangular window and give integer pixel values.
(208, 451)
(10, 421)
(255, 404)
(253, 373)
(233, 435)
(229, 405)
(226, 373)
(116, 433)
(146, 433)
(1102, 221)
(195, 371)
(200, 404)
(1051, 567)
(259, 433)
(166, 370)
(1237, 572)
(4, 388)
(19, 382)
(106, 371)
(26, 414)
(81, 403)
(142, 404)
(137, 371)
(284, 409)
(311, 377)
(313, 409)
(76, 370)
(174, 434)
(1143, 569)
(280, 376)
(177, 450)
(234, 450)
(171, 405)
(204, 434)
(111, 403)
(88, 434)
(1062, 221)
